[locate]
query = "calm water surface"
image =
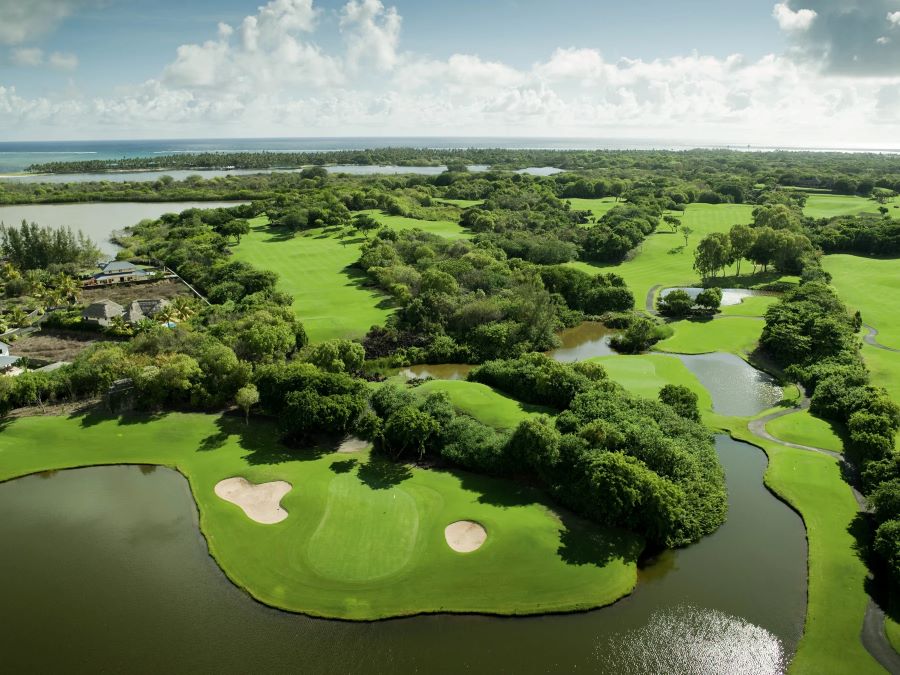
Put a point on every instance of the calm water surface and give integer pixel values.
(98, 221)
(104, 569)
(730, 296)
(736, 387)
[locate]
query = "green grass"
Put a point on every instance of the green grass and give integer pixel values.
(892, 628)
(330, 297)
(805, 429)
(664, 260)
(872, 286)
(442, 228)
(362, 541)
(485, 404)
(828, 205)
(884, 371)
(646, 374)
(596, 206)
(755, 305)
(812, 484)
(737, 335)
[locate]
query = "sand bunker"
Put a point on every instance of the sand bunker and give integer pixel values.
(353, 444)
(465, 536)
(259, 502)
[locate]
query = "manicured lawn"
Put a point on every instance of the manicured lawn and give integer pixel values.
(805, 429)
(892, 628)
(362, 540)
(812, 484)
(737, 335)
(442, 228)
(663, 259)
(755, 305)
(828, 206)
(330, 297)
(884, 371)
(872, 286)
(596, 206)
(646, 374)
(485, 404)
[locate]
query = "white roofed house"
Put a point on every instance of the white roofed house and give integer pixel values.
(7, 360)
(117, 272)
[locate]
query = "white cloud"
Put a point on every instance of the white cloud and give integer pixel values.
(894, 18)
(883, 40)
(790, 20)
(24, 20)
(372, 33)
(63, 61)
(27, 56)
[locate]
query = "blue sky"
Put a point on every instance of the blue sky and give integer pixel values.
(753, 71)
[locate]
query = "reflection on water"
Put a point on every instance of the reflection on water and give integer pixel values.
(730, 296)
(695, 641)
(442, 371)
(584, 341)
(736, 387)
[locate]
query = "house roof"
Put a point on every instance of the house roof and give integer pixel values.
(103, 309)
(118, 266)
(6, 361)
(3, 345)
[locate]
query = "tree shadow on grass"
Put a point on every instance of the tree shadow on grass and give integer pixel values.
(345, 466)
(584, 543)
(383, 474)
(94, 415)
(503, 492)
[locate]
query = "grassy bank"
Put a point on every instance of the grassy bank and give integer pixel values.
(363, 540)
(872, 286)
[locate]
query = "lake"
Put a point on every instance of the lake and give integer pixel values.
(98, 221)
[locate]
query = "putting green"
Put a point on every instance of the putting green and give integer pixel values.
(737, 335)
(485, 404)
(872, 286)
(364, 539)
(365, 534)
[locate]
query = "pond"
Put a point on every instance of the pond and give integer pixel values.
(737, 388)
(107, 566)
(584, 341)
(730, 296)
(98, 220)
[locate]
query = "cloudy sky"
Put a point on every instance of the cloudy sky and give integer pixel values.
(796, 72)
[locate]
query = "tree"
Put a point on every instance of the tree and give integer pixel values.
(235, 228)
(713, 254)
(408, 429)
(247, 397)
(672, 222)
(637, 337)
(336, 356)
(686, 232)
(675, 303)
(764, 247)
(682, 400)
(363, 222)
(710, 299)
(741, 238)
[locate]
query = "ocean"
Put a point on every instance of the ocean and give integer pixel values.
(18, 156)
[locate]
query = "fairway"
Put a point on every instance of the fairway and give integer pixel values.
(737, 335)
(485, 404)
(829, 206)
(596, 206)
(664, 260)
(364, 539)
(315, 267)
(872, 286)
(804, 429)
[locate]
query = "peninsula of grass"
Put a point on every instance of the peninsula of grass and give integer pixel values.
(737, 335)
(804, 429)
(754, 305)
(812, 484)
(315, 267)
(485, 404)
(872, 286)
(363, 539)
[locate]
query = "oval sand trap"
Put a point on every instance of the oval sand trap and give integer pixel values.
(260, 502)
(465, 536)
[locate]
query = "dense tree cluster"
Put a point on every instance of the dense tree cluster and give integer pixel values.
(32, 247)
(811, 333)
(620, 460)
(865, 234)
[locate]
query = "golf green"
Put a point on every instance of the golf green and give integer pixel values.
(363, 539)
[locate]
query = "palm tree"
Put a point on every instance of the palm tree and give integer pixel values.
(68, 288)
(184, 307)
(9, 272)
(166, 315)
(119, 326)
(17, 316)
